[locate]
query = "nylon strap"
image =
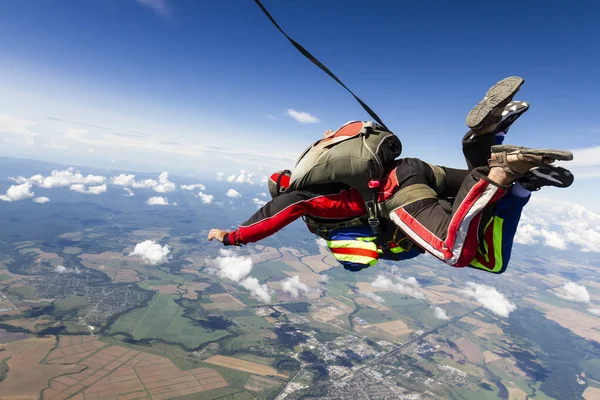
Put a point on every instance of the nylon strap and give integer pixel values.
(281, 175)
(406, 196)
(307, 54)
(440, 178)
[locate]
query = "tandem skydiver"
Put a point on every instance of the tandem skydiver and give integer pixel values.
(462, 217)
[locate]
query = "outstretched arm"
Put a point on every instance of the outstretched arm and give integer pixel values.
(332, 201)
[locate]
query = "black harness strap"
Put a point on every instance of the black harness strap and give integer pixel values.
(281, 175)
(306, 54)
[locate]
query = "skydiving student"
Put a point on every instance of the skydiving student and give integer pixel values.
(443, 211)
(356, 248)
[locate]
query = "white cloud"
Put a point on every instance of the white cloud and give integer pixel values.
(157, 201)
(489, 298)
(376, 298)
(34, 180)
(41, 200)
(258, 291)
(573, 292)
(220, 176)
(525, 234)
(96, 189)
(553, 239)
(164, 185)
(233, 193)
(151, 253)
(230, 266)
(16, 126)
(294, 286)
(61, 269)
(206, 198)
(231, 178)
(67, 177)
(271, 117)
(160, 7)
(129, 192)
(302, 117)
(259, 202)
(80, 188)
(263, 194)
(407, 287)
(321, 242)
(193, 187)
(594, 311)
(145, 184)
(585, 157)
(439, 313)
(18, 192)
(324, 278)
(560, 225)
(245, 177)
(123, 180)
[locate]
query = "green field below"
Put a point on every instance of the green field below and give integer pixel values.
(163, 319)
(257, 359)
(160, 277)
(479, 394)
(270, 269)
(72, 327)
(341, 281)
(26, 292)
(70, 303)
(254, 322)
(396, 300)
(376, 316)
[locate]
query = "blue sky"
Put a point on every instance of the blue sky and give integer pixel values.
(204, 86)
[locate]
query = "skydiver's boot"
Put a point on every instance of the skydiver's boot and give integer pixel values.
(517, 161)
(510, 114)
(547, 175)
(488, 114)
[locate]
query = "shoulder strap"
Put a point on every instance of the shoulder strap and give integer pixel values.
(306, 54)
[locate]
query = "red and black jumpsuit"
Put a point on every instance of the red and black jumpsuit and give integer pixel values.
(328, 202)
(449, 231)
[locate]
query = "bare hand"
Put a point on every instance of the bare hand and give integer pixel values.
(216, 234)
(328, 133)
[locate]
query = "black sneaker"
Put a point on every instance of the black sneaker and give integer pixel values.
(511, 113)
(548, 175)
(485, 116)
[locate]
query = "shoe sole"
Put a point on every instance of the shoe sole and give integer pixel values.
(518, 108)
(497, 94)
(562, 177)
(562, 155)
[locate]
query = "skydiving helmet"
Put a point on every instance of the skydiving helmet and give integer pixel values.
(279, 182)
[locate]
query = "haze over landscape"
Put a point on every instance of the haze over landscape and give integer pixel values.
(129, 129)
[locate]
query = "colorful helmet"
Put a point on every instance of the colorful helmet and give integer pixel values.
(279, 182)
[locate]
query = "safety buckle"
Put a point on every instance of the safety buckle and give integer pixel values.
(373, 222)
